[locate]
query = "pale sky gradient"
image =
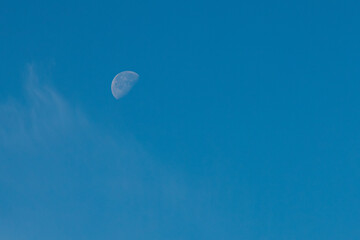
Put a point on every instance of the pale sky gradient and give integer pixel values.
(244, 124)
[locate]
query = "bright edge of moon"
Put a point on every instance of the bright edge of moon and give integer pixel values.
(123, 82)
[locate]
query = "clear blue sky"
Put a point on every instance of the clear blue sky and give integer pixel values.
(244, 124)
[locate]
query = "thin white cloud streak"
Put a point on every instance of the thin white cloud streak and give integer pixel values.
(54, 158)
(45, 114)
(46, 121)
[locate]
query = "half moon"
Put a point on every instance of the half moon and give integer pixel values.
(123, 82)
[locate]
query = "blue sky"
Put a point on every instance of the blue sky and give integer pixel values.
(244, 123)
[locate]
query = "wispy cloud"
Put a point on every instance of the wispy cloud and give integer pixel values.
(56, 164)
(43, 115)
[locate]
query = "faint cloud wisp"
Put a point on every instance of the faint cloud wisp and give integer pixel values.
(58, 169)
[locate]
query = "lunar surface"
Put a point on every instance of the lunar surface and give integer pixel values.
(122, 83)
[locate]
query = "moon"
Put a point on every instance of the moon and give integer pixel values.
(123, 82)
